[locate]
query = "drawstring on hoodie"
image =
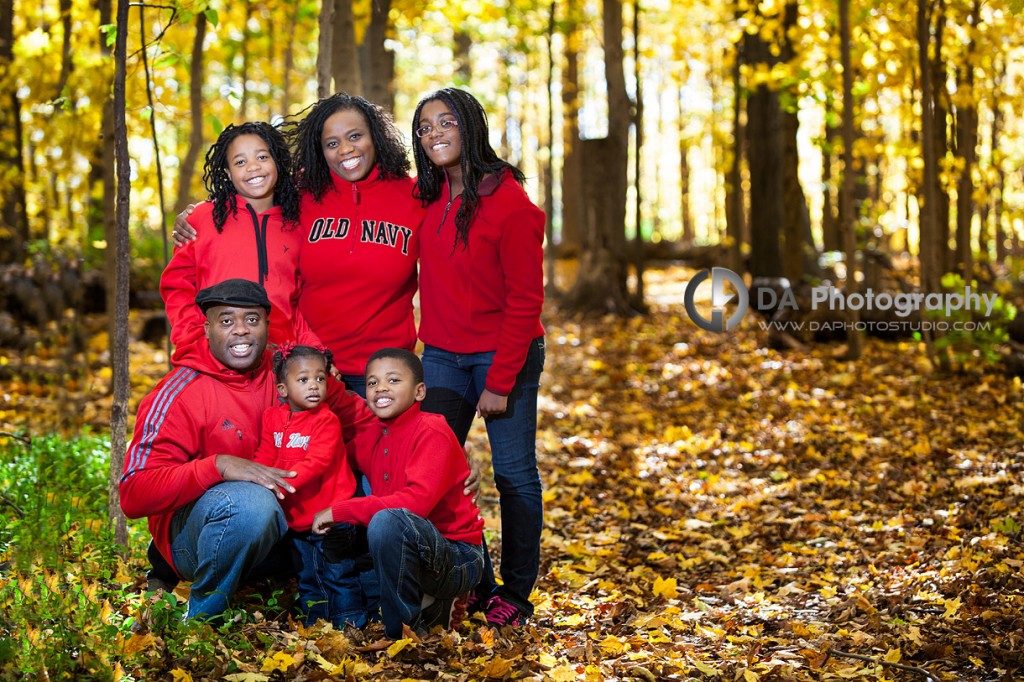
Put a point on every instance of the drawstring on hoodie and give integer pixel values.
(261, 242)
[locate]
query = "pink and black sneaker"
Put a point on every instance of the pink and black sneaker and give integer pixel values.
(500, 613)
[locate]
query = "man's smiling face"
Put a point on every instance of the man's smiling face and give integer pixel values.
(237, 335)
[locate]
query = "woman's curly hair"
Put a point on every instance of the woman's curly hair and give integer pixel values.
(313, 175)
(222, 190)
(478, 158)
(289, 351)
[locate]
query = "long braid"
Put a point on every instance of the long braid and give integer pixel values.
(222, 190)
(313, 173)
(478, 158)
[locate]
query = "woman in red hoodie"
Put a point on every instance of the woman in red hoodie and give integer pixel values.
(481, 294)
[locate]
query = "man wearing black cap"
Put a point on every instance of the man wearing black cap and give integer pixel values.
(212, 510)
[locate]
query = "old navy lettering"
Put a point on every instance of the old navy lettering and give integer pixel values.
(386, 234)
(323, 228)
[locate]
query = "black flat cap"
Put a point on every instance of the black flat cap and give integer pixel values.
(240, 293)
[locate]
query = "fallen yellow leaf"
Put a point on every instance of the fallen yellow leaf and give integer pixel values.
(279, 662)
(395, 648)
(496, 667)
(952, 606)
(666, 588)
(563, 673)
(706, 669)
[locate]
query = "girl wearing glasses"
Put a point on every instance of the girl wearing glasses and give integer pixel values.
(481, 294)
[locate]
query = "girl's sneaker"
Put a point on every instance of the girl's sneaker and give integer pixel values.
(501, 613)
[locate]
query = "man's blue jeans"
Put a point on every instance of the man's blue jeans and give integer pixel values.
(413, 559)
(229, 536)
(454, 384)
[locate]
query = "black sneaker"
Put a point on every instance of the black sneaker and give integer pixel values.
(448, 613)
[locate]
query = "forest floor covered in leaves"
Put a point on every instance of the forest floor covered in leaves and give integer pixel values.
(714, 509)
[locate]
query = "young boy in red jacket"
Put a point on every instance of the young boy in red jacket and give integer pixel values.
(418, 517)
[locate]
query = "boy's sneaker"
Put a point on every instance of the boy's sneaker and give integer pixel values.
(448, 613)
(501, 613)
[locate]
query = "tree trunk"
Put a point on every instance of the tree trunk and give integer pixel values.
(601, 280)
(289, 61)
(548, 173)
(854, 342)
(830, 237)
(119, 343)
(195, 142)
(798, 246)
(243, 76)
(345, 51)
(101, 174)
(966, 145)
(66, 63)
(460, 53)
(735, 216)
(377, 63)
(933, 234)
(572, 169)
(940, 112)
(932, 239)
(766, 151)
(637, 299)
(998, 233)
(688, 235)
(325, 49)
(13, 218)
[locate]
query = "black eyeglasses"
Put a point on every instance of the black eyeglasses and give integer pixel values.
(444, 125)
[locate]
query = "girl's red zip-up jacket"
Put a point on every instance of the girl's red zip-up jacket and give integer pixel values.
(253, 246)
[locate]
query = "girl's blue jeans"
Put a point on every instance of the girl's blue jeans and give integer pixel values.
(331, 591)
(454, 384)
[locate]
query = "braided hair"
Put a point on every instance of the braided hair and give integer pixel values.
(289, 351)
(477, 161)
(314, 175)
(222, 190)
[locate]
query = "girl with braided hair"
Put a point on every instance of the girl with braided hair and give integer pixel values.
(246, 229)
(303, 435)
(481, 294)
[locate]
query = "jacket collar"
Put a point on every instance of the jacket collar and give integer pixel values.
(403, 420)
(370, 182)
(241, 205)
(204, 362)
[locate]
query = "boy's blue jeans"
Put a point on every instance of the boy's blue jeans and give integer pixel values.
(331, 591)
(229, 535)
(413, 559)
(454, 384)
